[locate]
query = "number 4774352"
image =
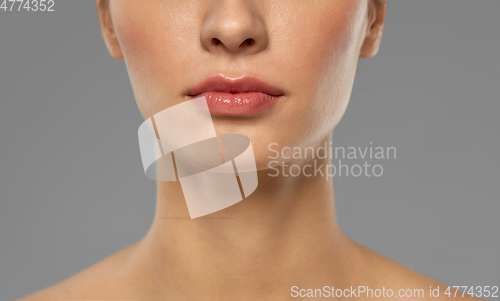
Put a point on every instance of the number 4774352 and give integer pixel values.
(28, 5)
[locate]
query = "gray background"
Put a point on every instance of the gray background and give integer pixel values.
(72, 190)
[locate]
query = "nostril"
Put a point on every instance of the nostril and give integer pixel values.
(216, 41)
(249, 42)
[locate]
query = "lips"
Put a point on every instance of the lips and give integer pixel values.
(244, 96)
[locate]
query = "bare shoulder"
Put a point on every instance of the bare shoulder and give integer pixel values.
(101, 281)
(401, 279)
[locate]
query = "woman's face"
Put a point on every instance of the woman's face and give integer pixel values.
(308, 50)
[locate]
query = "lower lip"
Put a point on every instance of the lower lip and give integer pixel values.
(238, 104)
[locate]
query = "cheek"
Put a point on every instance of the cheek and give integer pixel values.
(325, 32)
(322, 58)
(156, 51)
(327, 45)
(336, 56)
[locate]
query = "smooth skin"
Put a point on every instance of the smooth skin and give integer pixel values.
(285, 234)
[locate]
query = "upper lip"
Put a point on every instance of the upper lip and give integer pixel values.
(243, 84)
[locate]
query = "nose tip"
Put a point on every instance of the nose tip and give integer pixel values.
(234, 29)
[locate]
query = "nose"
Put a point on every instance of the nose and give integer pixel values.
(233, 26)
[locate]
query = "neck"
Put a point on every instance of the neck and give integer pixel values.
(280, 236)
